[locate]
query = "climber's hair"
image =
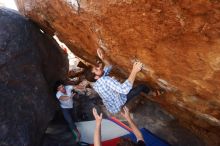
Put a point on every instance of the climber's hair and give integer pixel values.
(89, 75)
(57, 84)
(126, 142)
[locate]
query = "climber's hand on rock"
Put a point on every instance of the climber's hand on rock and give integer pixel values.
(137, 66)
(100, 53)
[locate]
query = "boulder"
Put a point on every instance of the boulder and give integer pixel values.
(178, 42)
(30, 62)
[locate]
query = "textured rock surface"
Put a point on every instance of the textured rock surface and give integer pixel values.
(30, 62)
(178, 41)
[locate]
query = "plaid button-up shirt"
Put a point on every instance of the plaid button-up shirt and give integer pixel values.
(112, 92)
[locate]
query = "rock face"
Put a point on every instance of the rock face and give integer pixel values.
(178, 41)
(30, 62)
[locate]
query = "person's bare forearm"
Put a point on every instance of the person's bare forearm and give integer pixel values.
(97, 135)
(103, 57)
(63, 98)
(135, 129)
(132, 76)
(136, 68)
(106, 61)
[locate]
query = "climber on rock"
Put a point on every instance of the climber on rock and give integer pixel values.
(65, 96)
(113, 93)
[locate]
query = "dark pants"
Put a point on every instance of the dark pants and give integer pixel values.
(67, 113)
(137, 90)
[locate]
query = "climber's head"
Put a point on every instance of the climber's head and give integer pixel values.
(93, 73)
